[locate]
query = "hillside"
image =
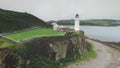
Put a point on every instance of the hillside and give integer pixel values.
(93, 22)
(13, 21)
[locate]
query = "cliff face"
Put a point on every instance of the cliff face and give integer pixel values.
(8, 59)
(56, 47)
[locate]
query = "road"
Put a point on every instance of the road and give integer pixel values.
(107, 57)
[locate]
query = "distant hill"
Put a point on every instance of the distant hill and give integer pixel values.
(94, 22)
(12, 21)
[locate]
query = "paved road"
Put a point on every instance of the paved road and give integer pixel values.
(107, 58)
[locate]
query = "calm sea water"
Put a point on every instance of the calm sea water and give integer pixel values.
(111, 33)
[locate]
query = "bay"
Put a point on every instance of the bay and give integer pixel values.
(103, 33)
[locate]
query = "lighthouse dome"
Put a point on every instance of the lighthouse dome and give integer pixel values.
(77, 16)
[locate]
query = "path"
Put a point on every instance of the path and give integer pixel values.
(107, 58)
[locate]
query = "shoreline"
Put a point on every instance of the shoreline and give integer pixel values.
(110, 44)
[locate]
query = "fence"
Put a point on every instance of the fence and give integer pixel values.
(9, 39)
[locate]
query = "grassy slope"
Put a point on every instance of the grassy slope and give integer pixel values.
(90, 54)
(13, 21)
(4, 43)
(35, 32)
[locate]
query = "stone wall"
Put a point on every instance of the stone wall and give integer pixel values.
(9, 39)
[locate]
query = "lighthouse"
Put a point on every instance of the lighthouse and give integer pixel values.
(77, 23)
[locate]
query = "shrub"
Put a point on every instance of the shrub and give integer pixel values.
(42, 62)
(90, 53)
(89, 46)
(20, 50)
(72, 33)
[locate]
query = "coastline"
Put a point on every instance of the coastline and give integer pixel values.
(110, 44)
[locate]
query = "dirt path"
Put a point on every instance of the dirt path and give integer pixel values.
(107, 58)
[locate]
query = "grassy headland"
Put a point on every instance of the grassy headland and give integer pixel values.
(11, 21)
(38, 32)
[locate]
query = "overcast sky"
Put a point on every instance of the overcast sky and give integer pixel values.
(66, 9)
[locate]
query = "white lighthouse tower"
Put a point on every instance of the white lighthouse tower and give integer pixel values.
(77, 23)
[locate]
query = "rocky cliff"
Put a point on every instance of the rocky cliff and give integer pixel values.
(57, 47)
(9, 59)
(72, 44)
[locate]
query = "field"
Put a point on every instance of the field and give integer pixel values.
(38, 32)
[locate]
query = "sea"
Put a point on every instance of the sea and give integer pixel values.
(103, 33)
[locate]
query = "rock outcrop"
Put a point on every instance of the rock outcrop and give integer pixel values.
(55, 47)
(9, 59)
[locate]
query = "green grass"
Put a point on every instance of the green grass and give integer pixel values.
(38, 32)
(90, 54)
(4, 43)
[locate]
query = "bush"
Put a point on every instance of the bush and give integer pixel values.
(89, 46)
(20, 50)
(90, 53)
(72, 33)
(42, 62)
